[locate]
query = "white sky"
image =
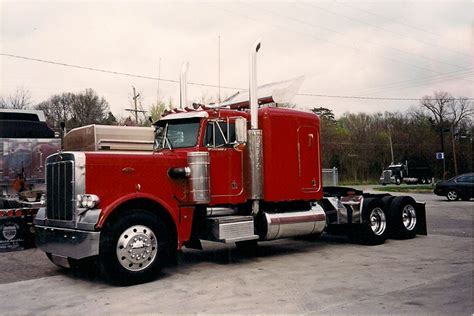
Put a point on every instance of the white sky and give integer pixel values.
(401, 49)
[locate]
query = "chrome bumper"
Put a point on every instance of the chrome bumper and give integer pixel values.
(76, 244)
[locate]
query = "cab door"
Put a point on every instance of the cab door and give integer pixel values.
(308, 159)
(226, 162)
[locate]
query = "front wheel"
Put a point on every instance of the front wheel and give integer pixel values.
(374, 227)
(133, 248)
(398, 181)
(452, 195)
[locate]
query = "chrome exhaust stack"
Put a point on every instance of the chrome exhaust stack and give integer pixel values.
(255, 142)
(253, 93)
(183, 86)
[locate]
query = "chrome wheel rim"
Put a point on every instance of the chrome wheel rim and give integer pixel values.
(136, 248)
(452, 195)
(378, 222)
(409, 217)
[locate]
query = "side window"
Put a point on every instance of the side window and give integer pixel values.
(219, 133)
(466, 179)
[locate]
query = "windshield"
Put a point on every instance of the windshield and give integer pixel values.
(176, 133)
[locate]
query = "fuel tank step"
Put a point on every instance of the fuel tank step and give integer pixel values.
(230, 228)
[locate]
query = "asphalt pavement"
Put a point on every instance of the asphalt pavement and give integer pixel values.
(426, 275)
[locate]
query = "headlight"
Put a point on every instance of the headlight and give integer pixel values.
(87, 200)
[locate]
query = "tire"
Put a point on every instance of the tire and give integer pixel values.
(374, 227)
(423, 181)
(403, 218)
(133, 248)
(50, 257)
(387, 200)
(398, 181)
(452, 195)
(428, 180)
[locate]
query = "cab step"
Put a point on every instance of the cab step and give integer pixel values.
(229, 229)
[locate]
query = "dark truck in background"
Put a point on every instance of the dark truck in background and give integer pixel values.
(407, 172)
(25, 142)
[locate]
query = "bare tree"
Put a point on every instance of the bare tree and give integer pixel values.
(57, 108)
(460, 110)
(20, 99)
(75, 109)
(446, 113)
(88, 108)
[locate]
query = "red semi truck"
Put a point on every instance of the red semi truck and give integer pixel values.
(211, 176)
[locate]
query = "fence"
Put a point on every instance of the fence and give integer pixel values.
(330, 177)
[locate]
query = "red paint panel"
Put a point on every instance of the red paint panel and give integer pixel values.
(226, 173)
(287, 167)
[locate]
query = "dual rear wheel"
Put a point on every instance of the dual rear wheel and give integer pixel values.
(390, 216)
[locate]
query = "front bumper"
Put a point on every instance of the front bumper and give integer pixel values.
(72, 243)
(439, 192)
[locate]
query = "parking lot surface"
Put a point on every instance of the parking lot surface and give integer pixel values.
(428, 274)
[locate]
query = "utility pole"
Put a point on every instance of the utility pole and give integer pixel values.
(135, 110)
(391, 144)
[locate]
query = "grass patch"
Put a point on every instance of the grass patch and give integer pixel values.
(409, 189)
(346, 183)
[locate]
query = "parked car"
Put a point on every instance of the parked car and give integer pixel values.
(459, 187)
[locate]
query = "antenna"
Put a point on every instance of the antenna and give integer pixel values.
(158, 86)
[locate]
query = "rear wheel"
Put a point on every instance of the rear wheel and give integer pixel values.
(398, 181)
(403, 217)
(374, 227)
(134, 248)
(452, 195)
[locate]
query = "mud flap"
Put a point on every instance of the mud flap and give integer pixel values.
(15, 234)
(421, 228)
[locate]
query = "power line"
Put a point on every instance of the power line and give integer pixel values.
(404, 24)
(205, 85)
(371, 98)
(320, 38)
(112, 72)
(417, 82)
(385, 30)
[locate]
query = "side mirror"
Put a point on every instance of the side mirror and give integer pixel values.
(241, 130)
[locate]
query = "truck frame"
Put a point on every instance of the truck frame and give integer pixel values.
(227, 174)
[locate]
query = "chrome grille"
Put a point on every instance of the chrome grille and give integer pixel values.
(60, 190)
(387, 174)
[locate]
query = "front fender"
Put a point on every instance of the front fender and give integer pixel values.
(109, 209)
